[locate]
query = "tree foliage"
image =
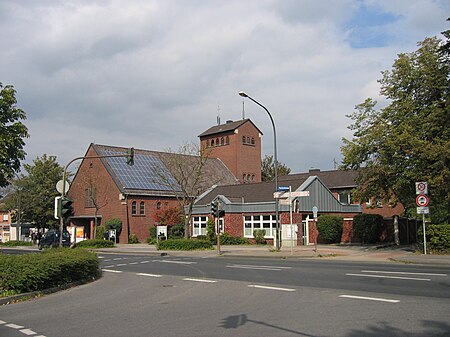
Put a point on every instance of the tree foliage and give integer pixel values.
(408, 140)
(37, 192)
(268, 169)
(12, 133)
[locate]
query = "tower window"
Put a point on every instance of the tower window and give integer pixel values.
(243, 139)
(253, 141)
(133, 208)
(142, 208)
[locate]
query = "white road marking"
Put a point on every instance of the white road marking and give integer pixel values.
(144, 262)
(270, 288)
(112, 271)
(2, 322)
(118, 258)
(253, 267)
(133, 262)
(14, 326)
(109, 266)
(370, 298)
(171, 261)
(121, 264)
(101, 257)
(199, 280)
(391, 277)
(150, 275)
(400, 273)
(27, 332)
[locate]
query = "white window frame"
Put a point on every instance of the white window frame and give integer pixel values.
(199, 225)
(253, 222)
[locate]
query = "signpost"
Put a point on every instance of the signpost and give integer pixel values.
(422, 201)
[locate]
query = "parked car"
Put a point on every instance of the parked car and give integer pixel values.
(51, 239)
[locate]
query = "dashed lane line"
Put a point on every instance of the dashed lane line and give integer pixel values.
(370, 298)
(270, 288)
(177, 262)
(14, 326)
(401, 273)
(20, 328)
(112, 271)
(27, 332)
(390, 277)
(149, 275)
(199, 280)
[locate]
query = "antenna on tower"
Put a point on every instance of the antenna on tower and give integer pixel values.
(243, 109)
(218, 114)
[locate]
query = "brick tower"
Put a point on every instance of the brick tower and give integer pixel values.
(238, 145)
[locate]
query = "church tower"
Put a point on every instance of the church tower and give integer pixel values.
(238, 145)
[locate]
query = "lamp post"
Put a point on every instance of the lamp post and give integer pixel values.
(277, 234)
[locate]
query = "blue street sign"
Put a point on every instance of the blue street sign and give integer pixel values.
(283, 188)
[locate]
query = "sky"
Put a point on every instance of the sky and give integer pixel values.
(154, 74)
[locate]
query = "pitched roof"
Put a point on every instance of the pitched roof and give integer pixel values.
(228, 126)
(157, 173)
(332, 179)
(263, 192)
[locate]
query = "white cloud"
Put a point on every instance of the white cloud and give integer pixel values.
(151, 74)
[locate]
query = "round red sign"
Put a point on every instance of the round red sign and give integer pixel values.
(422, 200)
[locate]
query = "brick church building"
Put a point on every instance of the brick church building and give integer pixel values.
(107, 188)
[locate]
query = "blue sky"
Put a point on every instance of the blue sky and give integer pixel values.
(153, 74)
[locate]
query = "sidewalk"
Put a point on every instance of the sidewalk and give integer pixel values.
(399, 254)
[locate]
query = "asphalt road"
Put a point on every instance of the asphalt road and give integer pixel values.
(162, 296)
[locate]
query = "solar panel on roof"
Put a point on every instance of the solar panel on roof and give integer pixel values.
(147, 173)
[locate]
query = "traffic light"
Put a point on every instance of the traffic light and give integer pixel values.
(221, 213)
(130, 156)
(66, 208)
(214, 205)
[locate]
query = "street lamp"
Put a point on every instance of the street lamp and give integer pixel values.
(277, 228)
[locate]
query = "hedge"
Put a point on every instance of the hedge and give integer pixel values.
(438, 238)
(184, 244)
(330, 228)
(50, 269)
(97, 243)
(16, 243)
(226, 239)
(367, 227)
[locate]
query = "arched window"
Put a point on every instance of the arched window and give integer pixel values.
(248, 140)
(243, 177)
(253, 177)
(142, 208)
(217, 142)
(243, 139)
(253, 141)
(133, 208)
(222, 141)
(227, 140)
(158, 205)
(212, 142)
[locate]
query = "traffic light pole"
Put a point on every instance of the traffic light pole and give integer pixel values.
(63, 192)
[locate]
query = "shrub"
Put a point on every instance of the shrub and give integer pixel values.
(438, 238)
(100, 232)
(330, 228)
(52, 268)
(151, 241)
(94, 244)
(133, 239)
(16, 243)
(184, 244)
(211, 231)
(259, 234)
(176, 231)
(114, 223)
(367, 227)
(226, 239)
(153, 232)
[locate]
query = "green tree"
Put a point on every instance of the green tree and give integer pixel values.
(409, 139)
(38, 191)
(12, 133)
(268, 169)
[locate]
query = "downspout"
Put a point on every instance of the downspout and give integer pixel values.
(127, 219)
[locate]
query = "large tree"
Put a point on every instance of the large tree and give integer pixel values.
(37, 191)
(12, 133)
(268, 169)
(409, 139)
